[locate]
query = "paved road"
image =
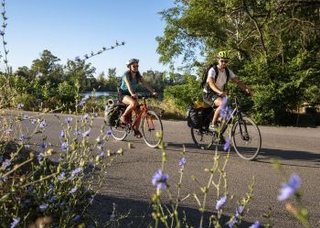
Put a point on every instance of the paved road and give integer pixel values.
(128, 181)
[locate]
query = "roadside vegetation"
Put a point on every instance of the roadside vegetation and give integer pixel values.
(43, 184)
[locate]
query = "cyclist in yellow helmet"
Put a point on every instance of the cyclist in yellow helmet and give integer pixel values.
(215, 89)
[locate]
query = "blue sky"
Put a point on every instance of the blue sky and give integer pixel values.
(70, 28)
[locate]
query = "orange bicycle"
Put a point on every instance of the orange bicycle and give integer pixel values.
(150, 125)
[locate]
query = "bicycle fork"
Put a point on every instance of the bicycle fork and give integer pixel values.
(243, 130)
(150, 122)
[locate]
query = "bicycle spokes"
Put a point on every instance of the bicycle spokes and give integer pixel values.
(152, 129)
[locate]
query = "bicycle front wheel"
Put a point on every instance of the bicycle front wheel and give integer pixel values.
(246, 138)
(202, 138)
(152, 129)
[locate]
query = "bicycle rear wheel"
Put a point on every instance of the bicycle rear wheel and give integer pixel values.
(202, 138)
(152, 129)
(118, 132)
(246, 138)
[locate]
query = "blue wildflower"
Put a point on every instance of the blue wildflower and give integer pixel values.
(26, 203)
(86, 133)
(39, 74)
(74, 172)
(109, 132)
(221, 202)
(15, 222)
(43, 207)
(239, 211)
(64, 146)
(44, 145)
(182, 162)
(28, 146)
(233, 222)
(61, 176)
(90, 200)
(30, 189)
(6, 163)
(76, 218)
(288, 189)
(160, 179)
(20, 105)
(227, 144)
(73, 190)
(52, 199)
(22, 137)
(225, 111)
(101, 155)
(61, 134)
(40, 157)
(43, 124)
(3, 179)
(82, 102)
(86, 116)
(68, 119)
(255, 225)
(223, 106)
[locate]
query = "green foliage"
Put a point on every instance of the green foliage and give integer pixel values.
(273, 48)
(29, 101)
(184, 94)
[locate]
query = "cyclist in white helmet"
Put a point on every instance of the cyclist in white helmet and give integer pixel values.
(214, 92)
(127, 93)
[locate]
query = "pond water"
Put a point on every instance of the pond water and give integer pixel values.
(100, 93)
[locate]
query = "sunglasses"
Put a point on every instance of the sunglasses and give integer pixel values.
(135, 66)
(224, 61)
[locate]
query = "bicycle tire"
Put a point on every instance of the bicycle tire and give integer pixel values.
(152, 129)
(202, 138)
(246, 138)
(118, 132)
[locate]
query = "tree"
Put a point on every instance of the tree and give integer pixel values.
(273, 45)
(47, 69)
(113, 80)
(80, 73)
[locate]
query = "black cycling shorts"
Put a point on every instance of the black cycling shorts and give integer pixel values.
(122, 94)
(209, 98)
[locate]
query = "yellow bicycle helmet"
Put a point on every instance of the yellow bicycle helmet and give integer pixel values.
(223, 55)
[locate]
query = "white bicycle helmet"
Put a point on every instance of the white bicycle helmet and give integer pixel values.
(130, 61)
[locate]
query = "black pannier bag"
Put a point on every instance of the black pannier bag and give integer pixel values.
(112, 113)
(198, 117)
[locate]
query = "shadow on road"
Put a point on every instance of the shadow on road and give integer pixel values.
(267, 155)
(133, 213)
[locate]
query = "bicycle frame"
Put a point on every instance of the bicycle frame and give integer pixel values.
(151, 126)
(235, 113)
(143, 110)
